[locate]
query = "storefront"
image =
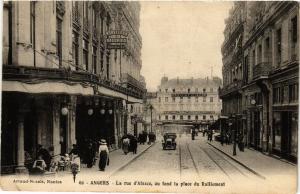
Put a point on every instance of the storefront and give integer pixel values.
(27, 121)
(254, 116)
(285, 86)
(285, 130)
(94, 120)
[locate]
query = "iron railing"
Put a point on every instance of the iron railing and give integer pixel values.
(236, 85)
(24, 73)
(261, 69)
(131, 81)
(76, 16)
(95, 34)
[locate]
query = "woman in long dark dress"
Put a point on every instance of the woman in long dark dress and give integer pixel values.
(90, 156)
(103, 152)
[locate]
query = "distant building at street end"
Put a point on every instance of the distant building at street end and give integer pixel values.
(187, 102)
(261, 74)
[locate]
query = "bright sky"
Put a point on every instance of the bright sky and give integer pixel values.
(181, 39)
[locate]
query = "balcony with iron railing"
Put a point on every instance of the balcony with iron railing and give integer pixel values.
(37, 74)
(60, 7)
(186, 121)
(151, 95)
(86, 26)
(76, 16)
(230, 88)
(131, 81)
(189, 94)
(95, 34)
(261, 70)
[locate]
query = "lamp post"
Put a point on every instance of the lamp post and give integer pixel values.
(234, 134)
(151, 108)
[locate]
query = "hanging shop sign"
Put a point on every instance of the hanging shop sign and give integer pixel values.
(116, 39)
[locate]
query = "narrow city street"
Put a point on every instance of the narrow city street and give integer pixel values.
(194, 166)
(192, 160)
(148, 97)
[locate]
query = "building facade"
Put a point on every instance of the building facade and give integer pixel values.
(62, 83)
(269, 76)
(150, 113)
(190, 102)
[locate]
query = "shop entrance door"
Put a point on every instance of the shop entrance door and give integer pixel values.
(285, 131)
(256, 129)
(135, 129)
(63, 134)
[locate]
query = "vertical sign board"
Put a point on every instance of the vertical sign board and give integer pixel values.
(116, 39)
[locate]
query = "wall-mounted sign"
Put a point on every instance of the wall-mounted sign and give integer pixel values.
(116, 39)
(117, 32)
(189, 95)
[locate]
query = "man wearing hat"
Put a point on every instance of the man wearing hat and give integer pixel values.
(103, 158)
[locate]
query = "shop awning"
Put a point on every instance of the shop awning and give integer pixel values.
(46, 87)
(108, 92)
(63, 88)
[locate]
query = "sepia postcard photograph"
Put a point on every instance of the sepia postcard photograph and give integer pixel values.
(150, 96)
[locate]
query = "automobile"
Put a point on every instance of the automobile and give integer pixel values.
(169, 141)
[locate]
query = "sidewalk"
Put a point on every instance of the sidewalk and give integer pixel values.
(118, 161)
(255, 161)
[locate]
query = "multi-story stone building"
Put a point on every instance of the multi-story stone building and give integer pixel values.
(62, 81)
(269, 76)
(190, 102)
(232, 60)
(150, 113)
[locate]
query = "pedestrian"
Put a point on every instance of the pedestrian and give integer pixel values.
(241, 142)
(39, 166)
(134, 145)
(28, 162)
(89, 156)
(145, 136)
(45, 155)
(193, 134)
(227, 136)
(74, 150)
(210, 135)
(125, 145)
(222, 138)
(75, 157)
(53, 166)
(140, 138)
(103, 155)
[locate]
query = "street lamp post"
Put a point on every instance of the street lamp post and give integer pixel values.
(151, 108)
(234, 135)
